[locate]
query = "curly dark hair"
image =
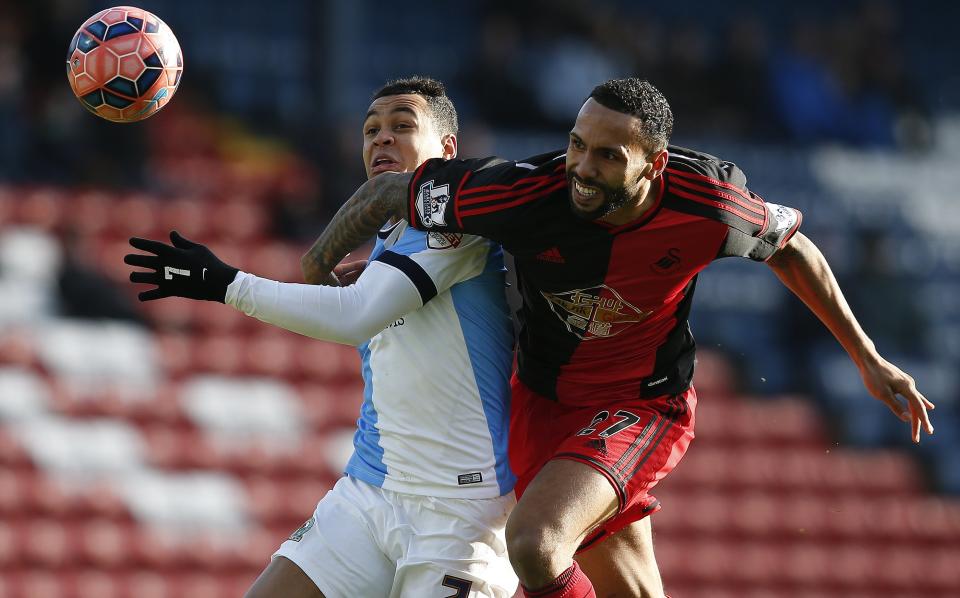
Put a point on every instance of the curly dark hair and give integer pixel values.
(444, 114)
(638, 97)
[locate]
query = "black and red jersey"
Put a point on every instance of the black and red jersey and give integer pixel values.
(605, 307)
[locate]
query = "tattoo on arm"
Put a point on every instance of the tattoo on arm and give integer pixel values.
(355, 222)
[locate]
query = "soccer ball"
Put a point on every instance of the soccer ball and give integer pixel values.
(124, 64)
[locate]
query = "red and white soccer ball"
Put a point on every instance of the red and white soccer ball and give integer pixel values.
(124, 64)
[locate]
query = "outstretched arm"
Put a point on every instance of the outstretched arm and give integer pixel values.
(348, 315)
(804, 270)
(380, 295)
(355, 223)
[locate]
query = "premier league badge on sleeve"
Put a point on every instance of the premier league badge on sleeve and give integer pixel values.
(432, 203)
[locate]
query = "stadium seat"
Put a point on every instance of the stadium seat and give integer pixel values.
(277, 261)
(39, 583)
(218, 354)
(320, 361)
(23, 394)
(29, 256)
(199, 585)
(239, 220)
(96, 584)
(244, 409)
(46, 542)
(187, 502)
(10, 547)
(89, 212)
(135, 215)
(41, 207)
(272, 355)
(755, 514)
(214, 318)
(104, 544)
(125, 359)
(186, 216)
(148, 584)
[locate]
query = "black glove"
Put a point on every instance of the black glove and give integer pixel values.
(186, 269)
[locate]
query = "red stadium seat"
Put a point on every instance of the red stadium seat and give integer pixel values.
(186, 216)
(851, 565)
(171, 315)
(39, 583)
(332, 405)
(97, 584)
(148, 584)
(252, 554)
(715, 377)
(758, 563)
(9, 544)
(809, 563)
(276, 261)
(271, 355)
(756, 514)
(41, 207)
(239, 220)
(47, 497)
(320, 361)
(220, 354)
(46, 543)
(13, 493)
(136, 215)
(216, 318)
(941, 572)
(104, 544)
(89, 212)
(883, 472)
(199, 585)
(99, 499)
(266, 499)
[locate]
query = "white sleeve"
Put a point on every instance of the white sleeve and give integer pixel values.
(347, 315)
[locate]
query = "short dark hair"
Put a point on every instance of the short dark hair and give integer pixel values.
(638, 97)
(444, 114)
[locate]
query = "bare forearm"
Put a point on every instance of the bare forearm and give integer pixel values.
(354, 223)
(804, 270)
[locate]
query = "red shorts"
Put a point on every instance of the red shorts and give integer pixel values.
(633, 443)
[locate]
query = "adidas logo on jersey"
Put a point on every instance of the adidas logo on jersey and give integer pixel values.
(551, 255)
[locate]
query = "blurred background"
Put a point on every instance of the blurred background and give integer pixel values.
(166, 449)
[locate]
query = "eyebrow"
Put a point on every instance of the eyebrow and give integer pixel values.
(406, 109)
(617, 150)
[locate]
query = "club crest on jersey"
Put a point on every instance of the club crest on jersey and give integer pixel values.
(439, 240)
(297, 535)
(598, 312)
(667, 262)
(432, 204)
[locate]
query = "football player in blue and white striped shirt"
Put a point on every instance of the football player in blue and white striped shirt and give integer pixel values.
(422, 508)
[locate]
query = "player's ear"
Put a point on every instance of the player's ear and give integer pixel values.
(659, 161)
(449, 143)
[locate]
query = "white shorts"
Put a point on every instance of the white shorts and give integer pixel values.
(364, 541)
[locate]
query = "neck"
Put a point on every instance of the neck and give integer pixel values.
(646, 197)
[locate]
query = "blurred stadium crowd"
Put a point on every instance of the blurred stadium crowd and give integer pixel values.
(125, 428)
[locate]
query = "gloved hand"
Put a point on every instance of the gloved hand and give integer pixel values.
(186, 269)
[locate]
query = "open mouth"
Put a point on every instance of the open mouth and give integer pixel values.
(583, 194)
(384, 164)
(583, 190)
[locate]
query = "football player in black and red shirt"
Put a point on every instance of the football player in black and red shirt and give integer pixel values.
(608, 238)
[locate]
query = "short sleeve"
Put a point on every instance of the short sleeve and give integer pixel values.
(480, 196)
(701, 184)
(780, 224)
(434, 261)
